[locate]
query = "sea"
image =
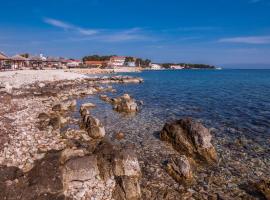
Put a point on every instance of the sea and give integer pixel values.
(232, 101)
(233, 104)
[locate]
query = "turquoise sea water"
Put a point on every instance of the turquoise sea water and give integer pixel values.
(234, 104)
(237, 101)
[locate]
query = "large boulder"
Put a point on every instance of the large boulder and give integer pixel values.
(191, 138)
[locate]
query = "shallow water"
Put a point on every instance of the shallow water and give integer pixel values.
(238, 100)
(233, 103)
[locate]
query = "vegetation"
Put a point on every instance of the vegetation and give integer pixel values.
(25, 55)
(138, 61)
(96, 58)
(142, 63)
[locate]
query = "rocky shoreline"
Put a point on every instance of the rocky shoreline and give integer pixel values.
(46, 153)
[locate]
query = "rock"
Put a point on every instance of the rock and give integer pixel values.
(41, 85)
(43, 116)
(126, 97)
(263, 187)
(68, 154)
(94, 128)
(125, 104)
(8, 88)
(84, 111)
(88, 105)
(128, 173)
(55, 122)
(105, 98)
(191, 138)
(73, 104)
(57, 107)
(126, 164)
(179, 169)
(119, 136)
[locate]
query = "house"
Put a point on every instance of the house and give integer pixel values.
(73, 63)
(36, 62)
(176, 67)
(117, 61)
(155, 66)
(3, 61)
(96, 63)
(131, 64)
(18, 62)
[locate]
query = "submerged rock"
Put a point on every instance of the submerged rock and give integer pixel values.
(191, 138)
(88, 105)
(105, 98)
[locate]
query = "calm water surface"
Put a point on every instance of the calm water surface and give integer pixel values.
(231, 101)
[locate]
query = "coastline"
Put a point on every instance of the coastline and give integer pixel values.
(23, 144)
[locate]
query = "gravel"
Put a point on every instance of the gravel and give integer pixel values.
(16, 79)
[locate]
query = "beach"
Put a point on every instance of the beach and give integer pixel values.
(27, 140)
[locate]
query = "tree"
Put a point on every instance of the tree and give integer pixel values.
(25, 55)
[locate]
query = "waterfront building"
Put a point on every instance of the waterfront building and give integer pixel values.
(176, 67)
(131, 64)
(3, 61)
(117, 61)
(73, 63)
(155, 66)
(18, 62)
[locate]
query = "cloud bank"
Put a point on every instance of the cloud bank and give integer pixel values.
(247, 40)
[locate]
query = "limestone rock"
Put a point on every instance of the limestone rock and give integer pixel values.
(105, 98)
(57, 107)
(119, 136)
(94, 127)
(179, 169)
(68, 154)
(126, 164)
(88, 105)
(263, 187)
(191, 138)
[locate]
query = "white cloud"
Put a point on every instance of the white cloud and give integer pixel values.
(67, 26)
(247, 40)
(106, 35)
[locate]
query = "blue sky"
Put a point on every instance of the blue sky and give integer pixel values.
(219, 32)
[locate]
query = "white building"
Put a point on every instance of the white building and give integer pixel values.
(155, 66)
(73, 63)
(117, 61)
(176, 67)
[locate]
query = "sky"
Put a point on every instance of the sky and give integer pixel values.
(218, 32)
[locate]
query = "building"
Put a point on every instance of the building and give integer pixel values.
(3, 61)
(131, 64)
(18, 62)
(73, 63)
(176, 67)
(155, 66)
(96, 63)
(36, 62)
(117, 61)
